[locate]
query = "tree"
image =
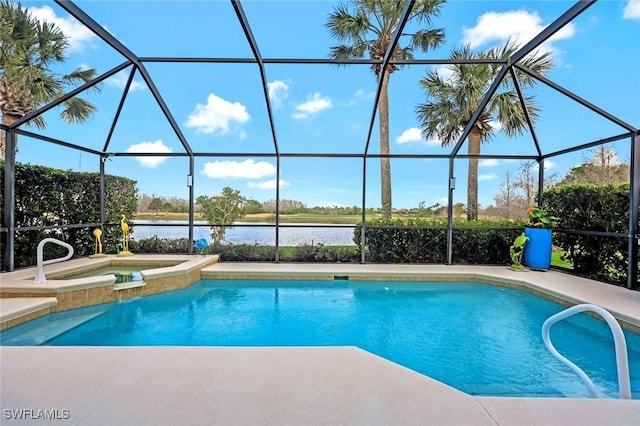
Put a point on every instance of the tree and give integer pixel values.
(451, 102)
(602, 167)
(378, 20)
(509, 203)
(222, 210)
(528, 182)
(253, 207)
(28, 49)
(156, 204)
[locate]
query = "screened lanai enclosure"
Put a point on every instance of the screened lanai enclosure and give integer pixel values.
(385, 108)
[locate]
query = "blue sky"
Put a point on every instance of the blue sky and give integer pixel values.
(323, 108)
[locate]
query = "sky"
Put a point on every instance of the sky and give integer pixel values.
(220, 108)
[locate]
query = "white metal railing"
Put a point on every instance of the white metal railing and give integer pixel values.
(40, 278)
(619, 341)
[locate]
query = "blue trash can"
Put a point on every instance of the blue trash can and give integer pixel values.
(537, 250)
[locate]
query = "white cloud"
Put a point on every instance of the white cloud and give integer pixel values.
(519, 25)
(151, 147)
(488, 176)
(314, 104)
(268, 184)
(77, 34)
(410, 135)
(632, 10)
(361, 96)
(414, 134)
(444, 71)
(120, 80)
(493, 162)
(442, 200)
(249, 169)
(278, 91)
(489, 162)
(217, 115)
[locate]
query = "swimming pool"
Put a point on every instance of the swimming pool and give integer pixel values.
(481, 339)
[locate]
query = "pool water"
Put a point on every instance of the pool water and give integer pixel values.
(481, 339)
(124, 274)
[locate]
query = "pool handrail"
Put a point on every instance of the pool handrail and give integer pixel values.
(40, 277)
(622, 361)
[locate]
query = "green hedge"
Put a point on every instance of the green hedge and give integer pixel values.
(424, 240)
(46, 196)
(601, 208)
(253, 252)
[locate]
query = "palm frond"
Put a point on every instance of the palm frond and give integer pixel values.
(344, 52)
(347, 27)
(426, 10)
(510, 112)
(428, 39)
(77, 110)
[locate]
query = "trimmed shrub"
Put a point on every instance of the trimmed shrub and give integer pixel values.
(52, 197)
(598, 208)
(424, 240)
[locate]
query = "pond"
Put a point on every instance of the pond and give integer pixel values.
(291, 234)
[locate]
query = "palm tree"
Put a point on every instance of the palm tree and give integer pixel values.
(452, 101)
(28, 48)
(378, 19)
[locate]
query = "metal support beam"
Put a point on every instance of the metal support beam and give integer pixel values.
(578, 99)
(452, 187)
(634, 205)
(277, 259)
(165, 109)
(404, 17)
(9, 199)
(481, 106)
(102, 195)
(527, 116)
(552, 28)
(69, 95)
(97, 29)
(123, 98)
(587, 145)
(57, 142)
(364, 211)
(540, 181)
(190, 184)
(263, 76)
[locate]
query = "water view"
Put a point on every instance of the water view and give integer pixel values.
(293, 234)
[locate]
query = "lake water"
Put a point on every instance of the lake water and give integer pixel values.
(292, 234)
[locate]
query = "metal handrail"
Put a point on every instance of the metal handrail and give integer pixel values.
(40, 277)
(619, 341)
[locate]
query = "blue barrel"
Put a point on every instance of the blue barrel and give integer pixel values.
(537, 250)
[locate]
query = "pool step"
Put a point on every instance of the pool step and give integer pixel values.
(43, 332)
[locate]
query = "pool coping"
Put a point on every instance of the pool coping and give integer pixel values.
(164, 273)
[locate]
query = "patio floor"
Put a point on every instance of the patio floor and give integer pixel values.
(293, 385)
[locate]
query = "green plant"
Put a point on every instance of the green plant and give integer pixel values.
(599, 209)
(517, 250)
(540, 218)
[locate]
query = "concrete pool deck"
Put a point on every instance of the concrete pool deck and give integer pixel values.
(274, 386)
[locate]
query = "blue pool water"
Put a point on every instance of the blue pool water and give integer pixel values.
(481, 339)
